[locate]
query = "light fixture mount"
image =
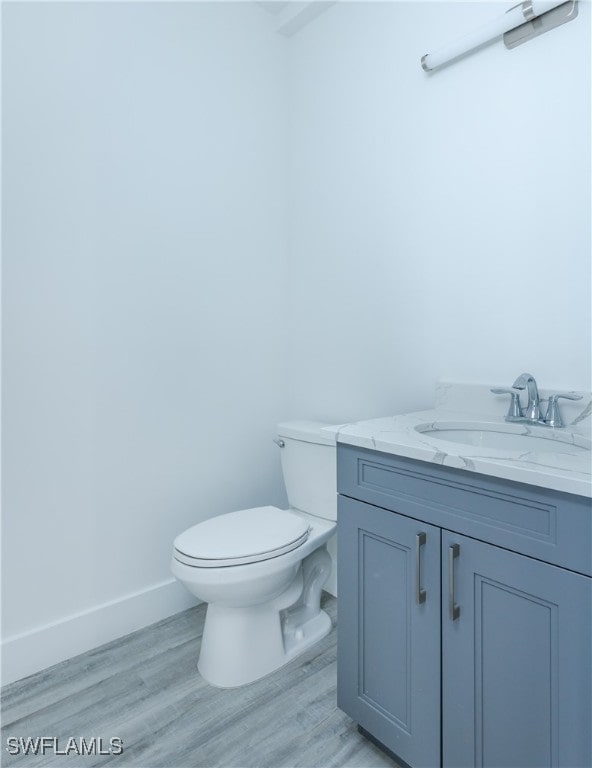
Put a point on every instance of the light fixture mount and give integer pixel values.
(540, 24)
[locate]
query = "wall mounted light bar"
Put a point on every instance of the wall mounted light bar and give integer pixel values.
(533, 17)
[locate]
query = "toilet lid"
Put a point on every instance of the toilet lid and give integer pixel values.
(238, 538)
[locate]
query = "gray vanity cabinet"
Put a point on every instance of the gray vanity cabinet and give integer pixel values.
(491, 665)
(389, 629)
(516, 660)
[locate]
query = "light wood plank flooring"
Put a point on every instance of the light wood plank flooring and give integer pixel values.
(145, 689)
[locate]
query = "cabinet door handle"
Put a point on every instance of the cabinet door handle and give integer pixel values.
(453, 553)
(420, 593)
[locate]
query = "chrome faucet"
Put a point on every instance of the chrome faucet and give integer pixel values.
(532, 412)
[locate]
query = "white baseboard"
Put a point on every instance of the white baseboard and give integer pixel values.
(39, 648)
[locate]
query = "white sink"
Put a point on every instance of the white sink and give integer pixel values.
(507, 437)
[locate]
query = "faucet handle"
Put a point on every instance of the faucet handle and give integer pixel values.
(515, 411)
(553, 415)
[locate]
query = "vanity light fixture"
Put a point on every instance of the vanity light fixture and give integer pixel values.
(518, 24)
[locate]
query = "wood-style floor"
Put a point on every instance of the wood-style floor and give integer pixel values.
(145, 689)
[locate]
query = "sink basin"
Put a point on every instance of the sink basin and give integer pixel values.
(507, 437)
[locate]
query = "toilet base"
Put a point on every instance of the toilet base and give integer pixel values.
(307, 634)
(242, 644)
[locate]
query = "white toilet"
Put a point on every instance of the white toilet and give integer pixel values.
(261, 570)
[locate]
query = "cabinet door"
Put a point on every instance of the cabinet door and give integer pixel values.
(388, 634)
(516, 670)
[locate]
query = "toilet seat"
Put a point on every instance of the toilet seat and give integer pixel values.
(239, 538)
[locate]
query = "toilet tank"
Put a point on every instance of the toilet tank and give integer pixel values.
(309, 465)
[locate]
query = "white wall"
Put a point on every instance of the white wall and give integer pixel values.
(440, 224)
(144, 272)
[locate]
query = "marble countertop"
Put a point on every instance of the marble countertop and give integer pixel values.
(564, 470)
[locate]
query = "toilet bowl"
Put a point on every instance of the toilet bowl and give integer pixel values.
(262, 570)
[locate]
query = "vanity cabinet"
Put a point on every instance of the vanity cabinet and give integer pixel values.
(464, 633)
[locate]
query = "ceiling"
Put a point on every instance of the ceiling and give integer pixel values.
(290, 17)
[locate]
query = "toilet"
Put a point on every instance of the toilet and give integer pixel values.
(262, 570)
